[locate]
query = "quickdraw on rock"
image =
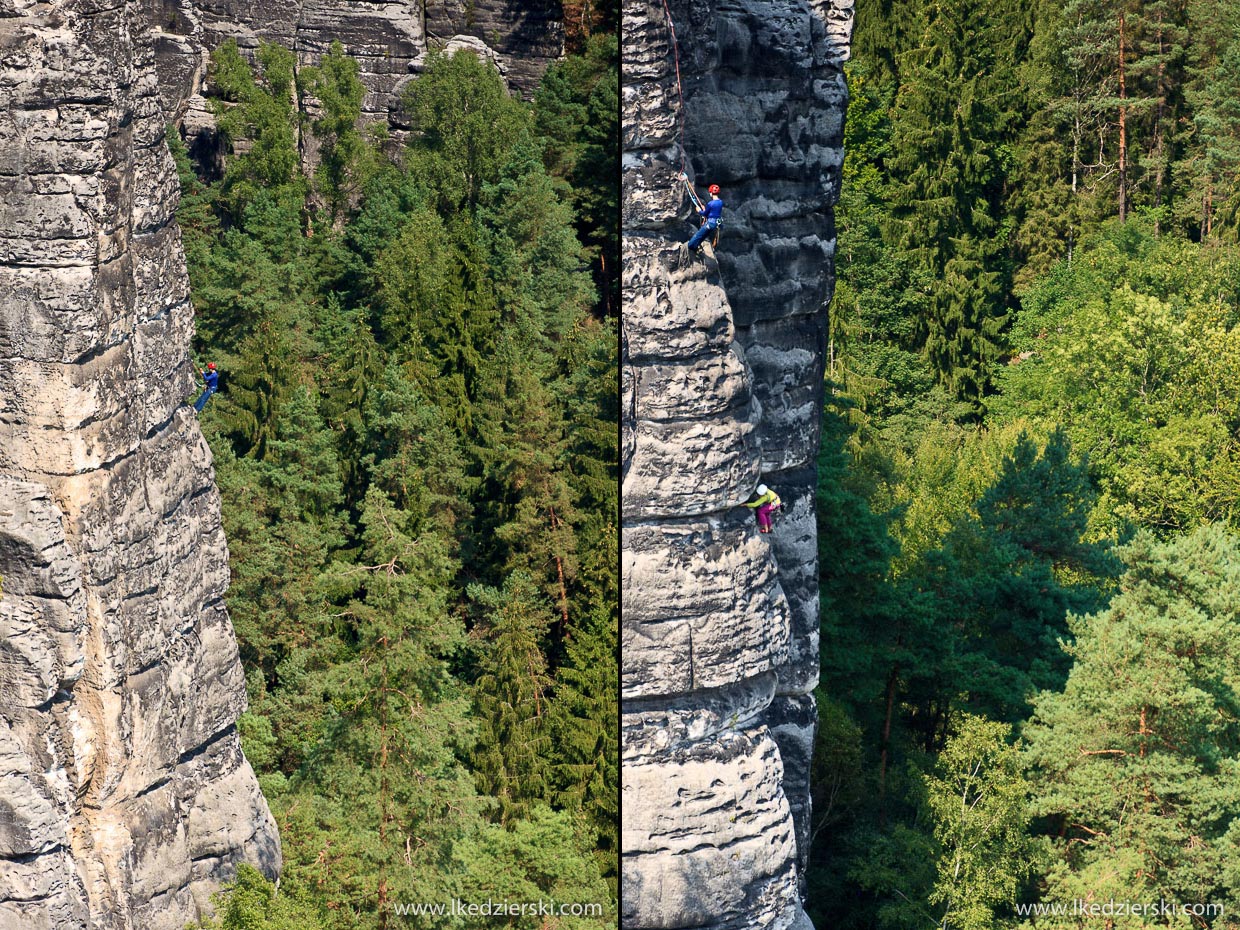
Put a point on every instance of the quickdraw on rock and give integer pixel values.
(692, 193)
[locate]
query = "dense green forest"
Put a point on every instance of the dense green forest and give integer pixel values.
(1029, 491)
(415, 445)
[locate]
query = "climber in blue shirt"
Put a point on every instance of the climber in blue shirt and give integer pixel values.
(712, 213)
(212, 379)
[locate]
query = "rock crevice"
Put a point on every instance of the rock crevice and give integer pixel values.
(125, 799)
(722, 383)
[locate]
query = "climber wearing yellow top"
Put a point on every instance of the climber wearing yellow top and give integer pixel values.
(767, 502)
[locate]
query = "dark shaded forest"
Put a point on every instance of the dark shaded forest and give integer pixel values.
(1030, 475)
(415, 444)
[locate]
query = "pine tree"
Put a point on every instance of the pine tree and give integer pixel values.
(576, 107)
(1212, 196)
(512, 696)
(527, 519)
(439, 311)
(354, 365)
(264, 116)
(382, 798)
(534, 257)
(584, 722)
(1008, 577)
(1135, 762)
(465, 124)
(345, 159)
(951, 118)
(537, 858)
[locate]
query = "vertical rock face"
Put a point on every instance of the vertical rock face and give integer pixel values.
(383, 35)
(528, 34)
(389, 39)
(723, 359)
(124, 796)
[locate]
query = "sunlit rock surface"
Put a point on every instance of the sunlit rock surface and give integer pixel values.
(125, 800)
(388, 38)
(722, 386)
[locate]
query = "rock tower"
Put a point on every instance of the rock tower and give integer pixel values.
(722, 382)
(125, 799)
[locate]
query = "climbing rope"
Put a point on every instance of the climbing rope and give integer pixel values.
(671, 31)
(680, 93)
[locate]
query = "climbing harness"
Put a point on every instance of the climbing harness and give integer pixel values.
(680, 93)
(701, 207)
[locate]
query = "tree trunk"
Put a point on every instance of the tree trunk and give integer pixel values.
(383, 794)
(559, 567)
(1159, 112)
(1077, 131)
(1123, 129)
(1209, 209)
(882, 761)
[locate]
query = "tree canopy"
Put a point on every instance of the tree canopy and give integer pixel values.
(419, 483)
(1028, 482)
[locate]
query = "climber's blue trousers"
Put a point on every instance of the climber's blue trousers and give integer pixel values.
(707, 228)
(202, 401)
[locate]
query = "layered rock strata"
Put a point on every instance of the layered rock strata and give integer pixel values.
(388, 38)
(722, 381)
(125, 800)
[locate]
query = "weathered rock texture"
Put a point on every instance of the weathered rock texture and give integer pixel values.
(389, 39)
(124, 797)
(722, 385)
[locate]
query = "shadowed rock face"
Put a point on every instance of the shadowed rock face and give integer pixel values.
(722, 367)
(125, 799)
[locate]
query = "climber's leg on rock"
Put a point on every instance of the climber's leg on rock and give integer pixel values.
(203, 398)
(764, 518)
(698, 237)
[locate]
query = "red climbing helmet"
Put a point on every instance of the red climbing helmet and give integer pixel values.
(210, 366)
(714, 188)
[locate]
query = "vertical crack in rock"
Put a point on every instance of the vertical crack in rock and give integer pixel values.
(722, 377)
(125, 799)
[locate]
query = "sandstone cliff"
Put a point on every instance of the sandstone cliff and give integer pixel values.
(388, 38)
(124, 796)
(722, 382)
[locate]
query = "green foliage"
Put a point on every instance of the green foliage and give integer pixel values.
(466, 125)
(890, 865)
(251, 902)
(951, 599)
(979, 797)
(511, 694)
(1031, 357)
(416, 455)
(345, 157)
(1134, 762)
(538, 859)
(951, 122)
(1133, 349)
(576, 108)
(264, 115)
(584, 719)
(1012, 570)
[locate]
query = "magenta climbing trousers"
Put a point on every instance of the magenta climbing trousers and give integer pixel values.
(764, 515)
